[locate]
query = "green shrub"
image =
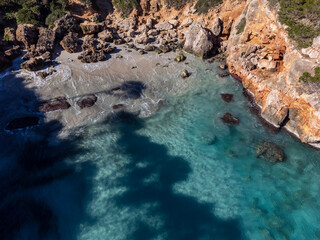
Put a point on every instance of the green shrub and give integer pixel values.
(176, 4)
(125, 6)
(242, 25)
(302, 18)
(306, 77)
(6, 37)
(203, 6)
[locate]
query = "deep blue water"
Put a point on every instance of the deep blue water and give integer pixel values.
(180, 174)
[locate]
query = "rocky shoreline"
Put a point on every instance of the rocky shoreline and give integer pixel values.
(245, 34)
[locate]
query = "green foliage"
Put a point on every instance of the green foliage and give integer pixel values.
(6, 37)
(302, 18)
(203, 6)
(306, 77)
(177, 4)
(58, 10)
(10, 15)
(125, 6)
(241, 26)
(29, 14)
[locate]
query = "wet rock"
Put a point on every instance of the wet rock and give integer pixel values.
(180, 58)
(9, 34)
(87, 101)
(200, 41)
(54, 104)
(217, 27)
(27, 34)
(185, 74)
(22, 123)
(70, 42)
(269, 152)
(223, 75)
(223, 66)
(118, 106)
(106, 36)
(33, 64)
(45, 74)
(226, 97)
(65, 25)
(228, 118)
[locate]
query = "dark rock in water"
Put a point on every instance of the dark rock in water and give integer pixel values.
(27, 34)
(13, 52)
(185, 74)
(24, 122)
(180, 58)
(54, 104)
(117, 106)
(269, 152)
(87, 101)
(106, 36)
(228, 118)
(223, 66)
(222, 75)
(33, 64)
(227, 97)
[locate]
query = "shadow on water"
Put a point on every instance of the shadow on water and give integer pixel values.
(149, 180)
(38, 187)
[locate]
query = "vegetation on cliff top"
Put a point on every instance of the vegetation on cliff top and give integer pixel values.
(37, 12)
(302, 18)
(306, 77)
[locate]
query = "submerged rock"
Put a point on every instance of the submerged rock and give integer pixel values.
(228, 118)
(269, 152)
(180, 58)
(54, 104)
(223, 75)
(87, 101)
(226, 97)
(24, 122)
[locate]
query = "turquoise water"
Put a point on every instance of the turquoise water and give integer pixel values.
(179, 174)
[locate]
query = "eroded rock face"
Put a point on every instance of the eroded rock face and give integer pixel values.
(269, 152)
(65, 25)
(54, 104)
(87, 101)
(270, 68)
(46, 41)
(91, 27)
(27, 34)
(200, 41)
(106, 36)
(70, 43)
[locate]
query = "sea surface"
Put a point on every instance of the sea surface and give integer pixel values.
(179, 174)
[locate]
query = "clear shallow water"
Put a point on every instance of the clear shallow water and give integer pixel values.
(180, 174)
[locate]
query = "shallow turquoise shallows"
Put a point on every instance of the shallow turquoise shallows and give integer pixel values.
(180, 174)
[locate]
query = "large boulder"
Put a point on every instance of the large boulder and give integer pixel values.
(87, 101)
(269, 152)
(217, 27)
(33, 64)
(65, 25)
(46, 41)
(200, 41)
(91, 27)
(70, 43)
(164, 26)
(54, 104)
(106, 36)
(27, 34)
(13, 52)
(23, 122)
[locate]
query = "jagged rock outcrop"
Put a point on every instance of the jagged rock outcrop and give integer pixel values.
(66, 24)
(200, 41)
(33, 64)
(270, 66)
(70, 42)
(91, 27)
(46, 41)
(27, 34)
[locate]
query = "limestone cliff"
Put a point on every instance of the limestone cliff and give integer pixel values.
(270, 66)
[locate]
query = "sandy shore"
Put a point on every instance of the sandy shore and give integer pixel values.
(157, 74)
